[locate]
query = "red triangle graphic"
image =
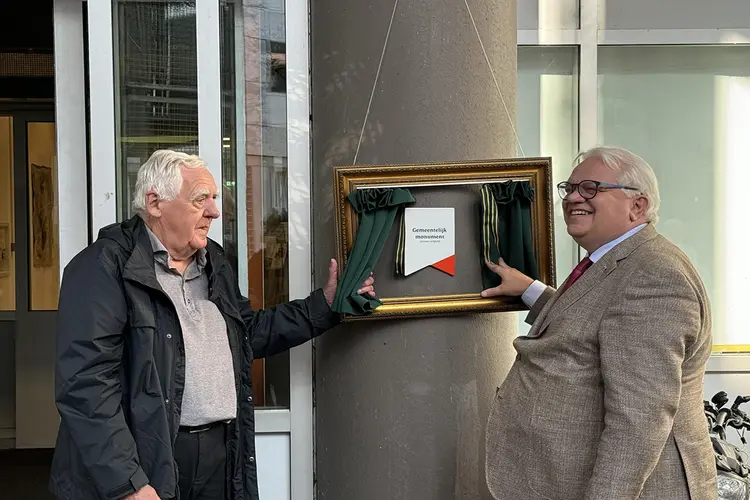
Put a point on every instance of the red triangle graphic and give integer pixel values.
(447, 265)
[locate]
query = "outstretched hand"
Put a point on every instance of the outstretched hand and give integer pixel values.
(512, 281)
(329, 290)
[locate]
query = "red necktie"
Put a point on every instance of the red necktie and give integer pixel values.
(577, 273)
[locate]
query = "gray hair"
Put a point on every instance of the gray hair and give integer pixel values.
(631, 170)
(161, 174)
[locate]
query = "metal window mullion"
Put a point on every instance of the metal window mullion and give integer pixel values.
(70, 120)
(548, 37)
(674, 37)
(103, 178)
(300, 248)
(588, 78)
(123, 203)
(272, 421)
(728, 363)
(240, 149)
(207, 32)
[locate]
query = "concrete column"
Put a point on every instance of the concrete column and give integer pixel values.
(401, 406)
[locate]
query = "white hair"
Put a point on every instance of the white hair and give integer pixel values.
(632, 171)
(161, 174)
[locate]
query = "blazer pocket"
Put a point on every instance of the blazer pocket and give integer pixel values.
(563, 456)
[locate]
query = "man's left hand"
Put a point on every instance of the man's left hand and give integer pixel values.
(329, 291)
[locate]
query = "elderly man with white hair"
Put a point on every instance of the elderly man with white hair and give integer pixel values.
(605, 398)
(155, 349)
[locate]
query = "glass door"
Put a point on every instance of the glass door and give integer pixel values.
(31, 235)
(7, 287)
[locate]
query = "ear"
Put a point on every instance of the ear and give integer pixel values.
(639, 208)
(152, 204)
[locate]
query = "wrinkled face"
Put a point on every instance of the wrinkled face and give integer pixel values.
(605, 217)
(184, 221)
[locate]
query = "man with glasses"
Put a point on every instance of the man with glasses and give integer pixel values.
(605, 398)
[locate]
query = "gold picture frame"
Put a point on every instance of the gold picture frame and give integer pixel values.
(443, 176)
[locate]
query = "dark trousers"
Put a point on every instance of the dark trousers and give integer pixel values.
(201, 458)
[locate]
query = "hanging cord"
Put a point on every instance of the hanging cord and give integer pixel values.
(497, 85)
(375, 83)
(486, 58)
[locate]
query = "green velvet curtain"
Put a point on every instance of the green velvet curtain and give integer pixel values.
(377, 210)
(506, 229)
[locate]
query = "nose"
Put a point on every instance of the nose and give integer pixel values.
(574, 197)
(212, 210)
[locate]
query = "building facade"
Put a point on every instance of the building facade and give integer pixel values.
(232, 82)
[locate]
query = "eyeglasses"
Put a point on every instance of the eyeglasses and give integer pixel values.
(588, 189)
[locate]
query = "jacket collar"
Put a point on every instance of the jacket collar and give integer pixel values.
(593, 276)
(600, 252)
(139, 266)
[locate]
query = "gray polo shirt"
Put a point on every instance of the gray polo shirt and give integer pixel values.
(209, 373)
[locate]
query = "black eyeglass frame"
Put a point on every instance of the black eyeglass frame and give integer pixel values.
(562, 188)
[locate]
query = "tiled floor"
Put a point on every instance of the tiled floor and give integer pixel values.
(24, 474)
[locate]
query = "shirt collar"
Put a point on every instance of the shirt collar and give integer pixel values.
(602, 250)
(161, 253)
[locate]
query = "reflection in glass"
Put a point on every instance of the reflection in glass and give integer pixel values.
(157, 86)
(44, 249)
(228, 132)
(266, 178)
(687, 109)
(547, 114)
(277, 67)
(157, 107)
(547, 101)
(7, 220)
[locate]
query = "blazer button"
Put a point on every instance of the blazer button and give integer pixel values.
(252, 460)
(169, 335)
(250, 399)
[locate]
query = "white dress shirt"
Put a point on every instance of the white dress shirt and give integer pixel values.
(537, 288)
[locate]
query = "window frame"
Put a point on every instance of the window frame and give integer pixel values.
(588, 38)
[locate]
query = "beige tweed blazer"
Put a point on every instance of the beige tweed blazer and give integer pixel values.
(605, 398)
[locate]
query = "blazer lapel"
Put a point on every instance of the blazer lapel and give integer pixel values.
(541, 319)
(590, 279)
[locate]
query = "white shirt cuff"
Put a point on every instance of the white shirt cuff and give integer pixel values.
(532, 294)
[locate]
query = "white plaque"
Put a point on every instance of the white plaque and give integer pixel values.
(430, 235)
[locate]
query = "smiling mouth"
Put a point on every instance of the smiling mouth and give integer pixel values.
(578, 212)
